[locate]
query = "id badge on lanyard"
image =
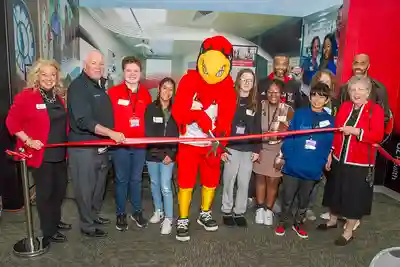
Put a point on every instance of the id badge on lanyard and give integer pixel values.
(240, 128)
(134, 121)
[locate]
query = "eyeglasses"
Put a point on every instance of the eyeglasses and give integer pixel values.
(247, 80)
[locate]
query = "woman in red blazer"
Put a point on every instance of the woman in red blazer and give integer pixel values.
(38, 117)
(349, 189)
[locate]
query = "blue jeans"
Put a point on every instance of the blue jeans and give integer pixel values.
(161, 176)
(128, 166)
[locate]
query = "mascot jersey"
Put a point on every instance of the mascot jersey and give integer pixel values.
(204, 104)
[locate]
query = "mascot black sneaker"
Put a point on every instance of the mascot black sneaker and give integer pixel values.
(182, 230)
(206, 220)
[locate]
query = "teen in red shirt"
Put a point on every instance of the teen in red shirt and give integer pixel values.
(129, 101)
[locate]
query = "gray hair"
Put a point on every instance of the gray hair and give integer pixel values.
(366, 81)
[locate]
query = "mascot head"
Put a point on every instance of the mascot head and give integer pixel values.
(215, 59)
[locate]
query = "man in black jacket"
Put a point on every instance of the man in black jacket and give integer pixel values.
(91, 118)
(378, 94)
(291, 91)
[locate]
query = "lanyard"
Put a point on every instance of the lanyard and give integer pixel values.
(270, 120)
(133, 98)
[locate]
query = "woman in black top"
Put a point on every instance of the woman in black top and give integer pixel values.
(239, 165)
(160, 158)
(38, 117)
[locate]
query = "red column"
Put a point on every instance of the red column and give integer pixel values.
(372, 27)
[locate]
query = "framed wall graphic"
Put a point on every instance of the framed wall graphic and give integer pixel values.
(244, 57)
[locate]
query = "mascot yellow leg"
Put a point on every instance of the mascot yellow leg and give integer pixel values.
(207, 197)
(205, 219)
(184, 199)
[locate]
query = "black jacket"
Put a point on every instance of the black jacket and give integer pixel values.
(88, 105)
(155, 126)
(378, 94)
(291, 92)
(246, 122)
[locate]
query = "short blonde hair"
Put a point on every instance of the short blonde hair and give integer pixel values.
(33, 75)
(361, 79)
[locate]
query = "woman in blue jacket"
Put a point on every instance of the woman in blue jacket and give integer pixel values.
(305, 157)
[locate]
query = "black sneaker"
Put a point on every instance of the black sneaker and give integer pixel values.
(102, 221)
(228, 220)
(240, 220)
(138, 218)
(182, 230)
(206, 220)
(122, 224)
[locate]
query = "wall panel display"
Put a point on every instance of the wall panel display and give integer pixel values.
(244, 57)
(44, 29)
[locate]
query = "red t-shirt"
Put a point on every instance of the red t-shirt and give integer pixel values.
(129, 109)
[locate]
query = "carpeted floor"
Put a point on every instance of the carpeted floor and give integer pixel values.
(255, 246)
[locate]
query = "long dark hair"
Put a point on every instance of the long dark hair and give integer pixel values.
(324, 62)
(252, 99)
(160, 85)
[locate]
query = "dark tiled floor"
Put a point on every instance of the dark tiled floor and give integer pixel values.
(255, 246)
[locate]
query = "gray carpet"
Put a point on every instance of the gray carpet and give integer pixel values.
(255, 246)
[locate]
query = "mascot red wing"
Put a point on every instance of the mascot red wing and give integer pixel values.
(204, 106)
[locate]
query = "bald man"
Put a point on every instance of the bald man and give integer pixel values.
(91, 118)
(361, 65)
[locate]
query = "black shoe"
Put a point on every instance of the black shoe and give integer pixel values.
(182, 230)
(122, 224)
(206, 220)
(228, 220)
(240, 220)
(102, 221)
(138, 218)
(342, 241)
(95, 233)
(57, 238)
(64, 226)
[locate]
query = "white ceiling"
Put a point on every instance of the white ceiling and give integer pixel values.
(180, 32)
(291, 8)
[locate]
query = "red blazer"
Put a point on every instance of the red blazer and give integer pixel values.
(28, 114)
(125, 106)
(360, 151)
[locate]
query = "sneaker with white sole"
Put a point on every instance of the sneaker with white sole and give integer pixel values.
(310, 216)
(260, 216)
(268, 217)
(158, 215)
(206, 220)
(166, 226)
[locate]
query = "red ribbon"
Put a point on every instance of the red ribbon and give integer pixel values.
(165, 140)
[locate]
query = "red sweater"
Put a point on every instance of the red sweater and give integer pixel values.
(129, 109)
(28, 113)
(360, 151)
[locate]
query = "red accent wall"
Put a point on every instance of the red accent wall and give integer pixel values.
(372, 27)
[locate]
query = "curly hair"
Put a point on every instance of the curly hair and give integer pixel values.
(33, 75)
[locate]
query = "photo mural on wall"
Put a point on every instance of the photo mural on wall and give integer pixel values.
(45, 29)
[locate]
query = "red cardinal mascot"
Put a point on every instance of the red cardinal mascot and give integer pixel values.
(204, 106)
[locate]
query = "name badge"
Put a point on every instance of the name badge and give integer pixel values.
(123, 102)
(240, 129)
(158, 120)
(328, 110)
(249, 112)
(40, 106)
(310, 144)
(134, 122)
(323, 124)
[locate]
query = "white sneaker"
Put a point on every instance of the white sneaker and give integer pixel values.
(260, 216)
(166, 226)
(310, 215)
(325, 216)
(158, 215)
(268, 217)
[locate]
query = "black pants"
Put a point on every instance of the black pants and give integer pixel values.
(51, 183)
(294, 187)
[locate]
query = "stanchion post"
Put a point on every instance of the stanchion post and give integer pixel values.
(30, 246)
